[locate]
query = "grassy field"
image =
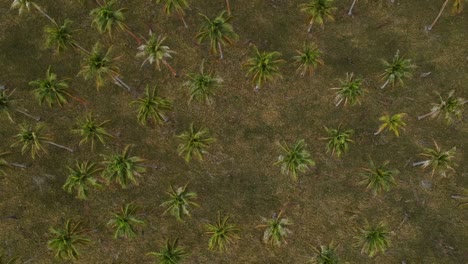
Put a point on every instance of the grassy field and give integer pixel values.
(238, 176)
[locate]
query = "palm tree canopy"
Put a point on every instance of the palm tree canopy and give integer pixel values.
(308, 58)
(180, 201)
(194, 143)
(222, 234)
(373, 239)
(203, 85)
(59, 36)
(30, 139)
(22, 5)
(80, 178)
(174, 5)
(392, 123)
(276, 229)
(124, 221)
(106, 17)
(397, 70)
(152, 106)
(171, 253)
(50, 90)
(92, 130)
(264, 67)
(350, 90)
(338, 140)
(99, 64)
(217, 31)
(378, 178)
(155, 51)
(65, 240)
(122, 168)
(294, 159)
(319, 10)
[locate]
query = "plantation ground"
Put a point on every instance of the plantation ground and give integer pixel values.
(239, 177)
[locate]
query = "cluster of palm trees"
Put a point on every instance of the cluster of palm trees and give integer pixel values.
(263, 68)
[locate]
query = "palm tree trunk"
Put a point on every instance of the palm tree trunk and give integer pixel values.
(220, 51)
(81, 48)
(28, 115)
(138, 40)
(385, 84)
(350, 12)
(22, 166)
(117, 80)
(310, 26)
(257, 87)
(79, 100)
(426, 115)
(429, 28)
(38, 8)
(57, 145)
(183, 20)
(419, 163)
(228, 6)
(170, 68)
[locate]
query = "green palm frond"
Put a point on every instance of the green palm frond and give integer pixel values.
(51, 90)
(338, 140)
(194, 143)
(80, 179)
(203, 85)
(295, 159)
(171, 253)
(373, 239)
(276, 229)
(31, 139)
(308, 59)
(122, 168)
(179, 202)
(325, 254)
(107, 17)
(222, 234)
(397, 70)
(65, 240)
(378, 178)
(99, 65)
(124, 222)
(152, 107)
(392, 123)
(350, 90)
(91, 130)
(218, 32)
(264, 67)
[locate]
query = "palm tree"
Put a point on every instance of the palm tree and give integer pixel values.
(203, 85)
(338, 140)
(450, 108)
(308, 59)
(152, 107)
(373, 239)
(106, 17)
(124, 222)
(171, 253)
(378, 178)
(218, 31)
(397, 70)
(437, 159)
(80, 179)
(179, 202)
(92, 130)
(31, 139)
(276, 229)
(122, 168)
(194, 143)
(7, 106)
(350, 90)
(325, 255)
(318, 11)
(392, 123)
(65, 240)
(61, 37)
(154, 51)
(99, 65)
(177, 6)
(50, 90)
(456, 9)
(222, 234)
(294, 159)
(25, 5)
(264, 67)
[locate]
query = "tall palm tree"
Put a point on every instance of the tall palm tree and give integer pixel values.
(373, 239)
(99, 65)
(393, 123)
(264, 67)
(152, 107)
(6, 106)
(450, 108)
(179, 202)
(378, 178)
(338, 140)
(456, 9)
(51, 90)
(308, 59)
(124, 222)
(122, 168)
(65, 240)
(350, 90)
(218, 31)
(222, 234)
(171, 253)
(60, 37)
(31, 139)
(295, 159)
(178, 6)
(203, 85)
(80, 179)
(325, 255)
(107, 16)
(91, 130)
(439, 160)
(276, 229)
(397, 70)
(318, 11)
(25, 5)
(194, 143)
(154, 51)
